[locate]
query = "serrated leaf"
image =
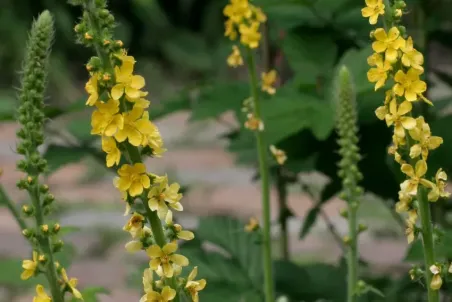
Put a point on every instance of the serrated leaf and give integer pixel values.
(309, 221)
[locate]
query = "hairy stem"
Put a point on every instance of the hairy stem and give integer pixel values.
(265, 185)
(46, 245)
(352, 254)
(427, 240)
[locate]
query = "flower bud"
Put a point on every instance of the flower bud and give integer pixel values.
(57, 246)
(27, 210)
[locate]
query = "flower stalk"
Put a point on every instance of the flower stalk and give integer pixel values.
(397, 61)
(243, 22)
(347, 129)
(43, 236)
(121, 120)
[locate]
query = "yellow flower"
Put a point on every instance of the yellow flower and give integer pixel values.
(411, 57)
(373, 9)
(165, 257)
(237, 10)
(379, 73)
(252, 225)
(268, 81)
(412, 216)
(136, 126)
(415, 174)
(410, 232)
(259, 15)
(409, 84)
(167, 294)
(135, 225)
(127, 82)
(254, 123)
(72, 283)
(278, 154)
(41, 295)
(193, 287)
(113, 153)
(154, 141)
(161, 195)
(436, 282)
(106, 120)
(229, 30)
(140, 101)
(134, 246)
(395, 116)
(29, 267)
(438, 189)
(132, 179)
(180, 233)
(91, 89)
(235, 59)
(425, 142)
(249, 35)
(388, 43)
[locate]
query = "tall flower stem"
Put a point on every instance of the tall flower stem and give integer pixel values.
(352, 255)
(265, 184)
(284, 213)
(427, 240)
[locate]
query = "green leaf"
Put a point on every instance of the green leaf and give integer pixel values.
(64, 230)
(309, 221)
(188, 50)
(310, 283)
(10, 274)
(355, 60)
(233, 266)
(81, 129)
(443, 249)
(311, 54)
(90, 294)
(215, 100)
(59, 156)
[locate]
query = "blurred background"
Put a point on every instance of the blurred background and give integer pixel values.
(196, 101)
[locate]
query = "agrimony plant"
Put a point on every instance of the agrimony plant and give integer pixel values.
(347, 129)
(121, 120)
(243, 21)
(43, 235)
(396, 62)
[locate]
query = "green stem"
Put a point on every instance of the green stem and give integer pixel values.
(46, 245)
(284, 212)
(427, 239)
(352, 256)
(12, 208)
(265, 185)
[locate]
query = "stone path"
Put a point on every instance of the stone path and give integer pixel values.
(196, 158)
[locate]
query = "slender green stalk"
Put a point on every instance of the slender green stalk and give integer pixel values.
(12, 208)
(284, 213)
(265, 184)
(352, 254)
(427, 240)
(46, 244)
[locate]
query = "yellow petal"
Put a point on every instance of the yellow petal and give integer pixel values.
(169, 248)
(133, 246)
(393, 34)
(154, 251)
(380, 35)
(408, 170)
(26, 274)
(154, 263)
(135, 188)
(408, 122)
(117, 91)
(391, 54)
(415, 151)
(185, 235)
(179, 259)
(168, 293)
(137, 82)
(378, 46)
(434, 142)
(421, 168)
(436, 282)
(404, 108)
(132, 92)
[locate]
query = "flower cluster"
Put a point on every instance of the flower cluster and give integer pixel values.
(43, 237)
(243, 21)
(121, 120)
(396, 59)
